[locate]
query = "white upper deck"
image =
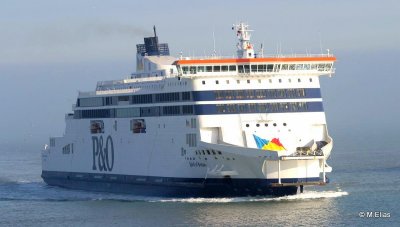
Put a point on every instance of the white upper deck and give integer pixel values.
(156, 66)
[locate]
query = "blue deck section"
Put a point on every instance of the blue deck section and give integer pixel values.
(309, 93)
(171, 187)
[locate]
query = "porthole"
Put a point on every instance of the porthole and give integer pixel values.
(299, 80)
(310, 79)
(248, 81)
(284, 124)
(290, 80)
(259, 81)
(227, 81)
(203, 82)
(258, 125)
(274, 124)
(247, 125)
(216, 82)
(270, 80)
(280, 80)
(238, 81)
(266, 125)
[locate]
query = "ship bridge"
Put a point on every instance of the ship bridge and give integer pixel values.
(249, 63)
(306, 64)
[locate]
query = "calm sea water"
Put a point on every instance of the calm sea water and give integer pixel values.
(366, 178)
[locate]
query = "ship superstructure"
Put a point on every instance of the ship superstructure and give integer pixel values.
(250, 125)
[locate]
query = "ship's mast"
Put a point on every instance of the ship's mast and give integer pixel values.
(244, 47)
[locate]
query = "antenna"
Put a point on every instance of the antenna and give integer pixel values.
(155, 33)
(214, 52)
(262, 50)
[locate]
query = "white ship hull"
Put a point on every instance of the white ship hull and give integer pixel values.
(219, 127)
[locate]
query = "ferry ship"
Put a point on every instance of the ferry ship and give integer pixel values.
(199, 127)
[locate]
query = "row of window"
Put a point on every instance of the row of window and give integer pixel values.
(259, 81)
(199, 96)
(135, 112)
(207, 109)
(256, 68)
(263, 107)
(134, 99)
(260, 94)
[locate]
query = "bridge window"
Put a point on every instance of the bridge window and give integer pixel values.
(232, 68)
(270, 67)
(277, 67)
(192, 69)
(253, 68)
(246, 68)
(284, 67)
(241, 69)
(321, 67)
(314, 67)
(208, 68)
(217, 68)
(262, 68)
(299, 67)
(328, 67)
(185, 69)
(200, 68)
(224, 68)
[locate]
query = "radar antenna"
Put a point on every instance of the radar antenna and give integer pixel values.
(244, 47)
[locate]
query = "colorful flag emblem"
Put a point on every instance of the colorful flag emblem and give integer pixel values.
(272, 145)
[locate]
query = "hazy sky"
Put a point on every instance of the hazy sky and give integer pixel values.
(51, 49)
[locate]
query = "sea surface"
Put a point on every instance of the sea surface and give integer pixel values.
(365, 179)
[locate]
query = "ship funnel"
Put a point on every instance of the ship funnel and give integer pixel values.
(151, 47)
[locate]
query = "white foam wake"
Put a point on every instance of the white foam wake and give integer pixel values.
(304, 196)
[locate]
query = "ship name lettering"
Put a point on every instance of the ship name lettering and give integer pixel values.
(103, 154)
(197, 164)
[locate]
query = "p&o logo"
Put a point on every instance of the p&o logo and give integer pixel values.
(103, 153)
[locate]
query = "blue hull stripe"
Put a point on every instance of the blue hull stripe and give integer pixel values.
(168, 186)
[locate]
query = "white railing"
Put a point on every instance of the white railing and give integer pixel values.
(263, 56)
